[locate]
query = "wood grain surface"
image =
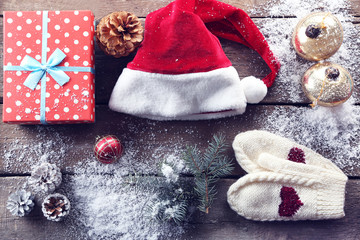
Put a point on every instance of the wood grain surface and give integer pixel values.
(143, 138)
(135, 132)
(139, 7)
(220, 223)
(246, 61)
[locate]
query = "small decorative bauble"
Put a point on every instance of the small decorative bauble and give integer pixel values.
(317, 36)
(55, 207)
(20, 203)
(45, 178)
(327, 84)
(108, 149)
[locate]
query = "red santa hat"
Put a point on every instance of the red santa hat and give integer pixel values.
(180, 71)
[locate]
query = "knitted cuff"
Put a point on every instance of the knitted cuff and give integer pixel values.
(268, 196)
(331, 197)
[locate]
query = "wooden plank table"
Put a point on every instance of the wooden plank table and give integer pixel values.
(145, 136)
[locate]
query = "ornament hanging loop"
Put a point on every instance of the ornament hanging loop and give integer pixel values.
(314, 103)
(327, 84)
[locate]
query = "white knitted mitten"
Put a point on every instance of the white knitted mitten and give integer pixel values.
(248, 146)
(286, 181)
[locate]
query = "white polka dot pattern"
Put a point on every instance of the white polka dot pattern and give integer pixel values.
(73, 33)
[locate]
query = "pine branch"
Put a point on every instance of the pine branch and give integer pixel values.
(208, 169)
(215, 150)
(223, 169)
(171, 198)
(166, 210)
(205, 191)
(192, 159)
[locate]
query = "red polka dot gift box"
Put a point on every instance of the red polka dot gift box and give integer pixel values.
(49, 67)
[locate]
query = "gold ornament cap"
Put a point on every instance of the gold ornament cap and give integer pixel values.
(318, 36)
(327, 84)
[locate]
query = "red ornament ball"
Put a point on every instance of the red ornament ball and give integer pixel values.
(108, 149)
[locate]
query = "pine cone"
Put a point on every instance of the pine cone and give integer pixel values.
(119, 33)
(55, 207)
(45, 178)
(20, 203)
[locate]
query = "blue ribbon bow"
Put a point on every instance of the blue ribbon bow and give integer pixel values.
(38, 70)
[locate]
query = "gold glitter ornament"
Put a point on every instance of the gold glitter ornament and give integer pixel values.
(327, 84)
(317, 36)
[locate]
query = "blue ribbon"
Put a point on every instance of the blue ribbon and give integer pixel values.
(38, 70)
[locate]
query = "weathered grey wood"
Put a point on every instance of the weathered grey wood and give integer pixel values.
(143, 137)
(141, 7)
(100, 8)
(220, 223)
(34, 226)
(223, 223)
(246, 61)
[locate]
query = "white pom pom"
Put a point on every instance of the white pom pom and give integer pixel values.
(254, 89)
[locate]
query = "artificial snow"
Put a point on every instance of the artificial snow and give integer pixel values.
(169, 173)
(106, 202)
(278, 32)
(46, 145)
(112, 207)
(333, 132)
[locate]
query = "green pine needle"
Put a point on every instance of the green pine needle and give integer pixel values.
(207, 169)
(171, 199)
